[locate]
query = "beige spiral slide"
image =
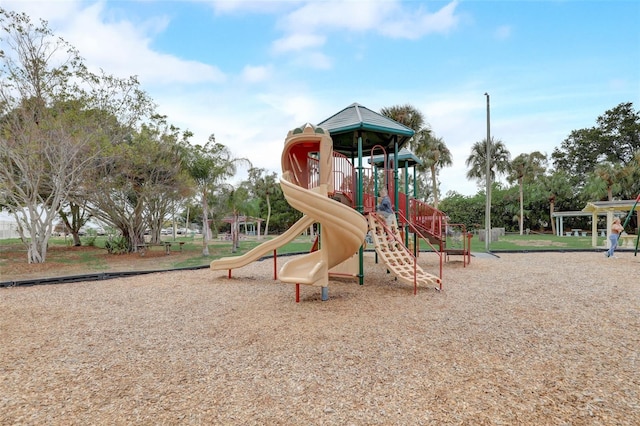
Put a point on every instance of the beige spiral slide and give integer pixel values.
(343, 230)
(307, 179)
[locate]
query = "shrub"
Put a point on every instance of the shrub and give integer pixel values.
(117, 245)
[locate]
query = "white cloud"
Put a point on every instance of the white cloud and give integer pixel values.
(351, 15)
(52, 11)
(390, 18)
(414, 25)
(119, 47)
(314, 60)
(122, 46)
(229, 7)
(298, 41)
(256, 74)
(503, 32)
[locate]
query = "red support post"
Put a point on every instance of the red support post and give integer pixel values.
(275, 264)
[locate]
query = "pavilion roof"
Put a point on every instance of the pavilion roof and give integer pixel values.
(604, 206)
(405, 157)
(356, 120)
(242, 219)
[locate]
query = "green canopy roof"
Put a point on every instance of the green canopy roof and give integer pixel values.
(375, 129)
(405, 157)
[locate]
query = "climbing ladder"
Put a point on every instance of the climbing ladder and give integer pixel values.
(396, 256)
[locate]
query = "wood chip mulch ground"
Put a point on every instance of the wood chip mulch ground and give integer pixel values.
(523, 339)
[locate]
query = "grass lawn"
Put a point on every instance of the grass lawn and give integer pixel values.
(516, 242)
(65, 260)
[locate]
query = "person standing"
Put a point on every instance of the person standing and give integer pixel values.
(385, 209)
(616, 229)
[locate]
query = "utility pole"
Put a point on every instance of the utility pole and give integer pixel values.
(487, 216)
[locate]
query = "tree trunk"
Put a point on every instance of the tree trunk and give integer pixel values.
(76, 238)
(235, 227)
(434, 183)
(521, 209)
(266, 227)
(78, 220)
(553, 223)
(205, 224)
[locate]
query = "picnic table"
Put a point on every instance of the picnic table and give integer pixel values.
(143, 247)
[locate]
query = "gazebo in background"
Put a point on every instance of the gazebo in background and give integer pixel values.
(610, 209)
(251, 224)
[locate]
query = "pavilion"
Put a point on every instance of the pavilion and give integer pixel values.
(251, 224)
(611, 209)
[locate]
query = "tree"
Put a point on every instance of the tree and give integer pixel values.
(499, 160)
(74, 216)
(209, 166)
(114, 112)
(143, 180)
(237, 204)
(522, 167)
(263, 187)
(468, 210)
(434, 155)
(405, 114)
(559, 189)
(602, 182)
(168, 181)
(45, 144)
(431, 150)
(615, 139)
(631, 178)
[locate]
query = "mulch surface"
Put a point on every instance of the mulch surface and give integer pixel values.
(536, 339)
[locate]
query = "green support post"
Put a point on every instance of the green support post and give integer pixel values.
(359, 197)
(395, 175)
(626, 221)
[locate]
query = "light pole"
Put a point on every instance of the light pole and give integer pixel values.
(487, 214)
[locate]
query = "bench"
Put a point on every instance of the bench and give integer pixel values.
(464, 251)
(142, 248)
(628, 241)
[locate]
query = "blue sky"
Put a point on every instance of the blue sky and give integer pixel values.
(249, 71)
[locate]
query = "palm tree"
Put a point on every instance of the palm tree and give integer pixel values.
(558, 187)
(522, 167)
(210, 165)
(237, 203)
(263, 186)
(605, 179)
(631, 177)
(499, 160)
(411, 117)
(434, 155)
(405, 114)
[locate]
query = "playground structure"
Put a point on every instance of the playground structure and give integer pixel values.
(320, 180)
